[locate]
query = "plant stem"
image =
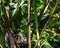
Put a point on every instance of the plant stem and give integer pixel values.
(46, 23)
(36, 21)
(29, 33)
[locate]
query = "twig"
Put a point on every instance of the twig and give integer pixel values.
(46, 23)
(29, 33)
(47, 1)
(10, 1)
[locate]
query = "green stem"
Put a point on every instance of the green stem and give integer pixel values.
(36, 21)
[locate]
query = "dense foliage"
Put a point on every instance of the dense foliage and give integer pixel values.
(18, 11)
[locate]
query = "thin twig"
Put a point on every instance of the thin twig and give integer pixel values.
(46, 23)
(47, 1)
(10, 1)
(29, 33)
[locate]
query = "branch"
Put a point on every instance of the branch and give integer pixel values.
(46, 23)
(29, 33)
